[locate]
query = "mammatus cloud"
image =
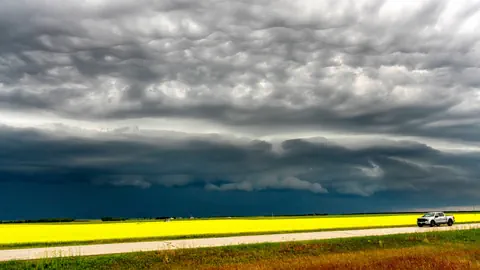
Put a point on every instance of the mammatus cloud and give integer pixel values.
(398, 67)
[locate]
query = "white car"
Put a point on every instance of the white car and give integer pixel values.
(435, 219)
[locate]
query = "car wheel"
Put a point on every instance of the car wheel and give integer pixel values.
(420, 225)
(450, 222)
(432, 223)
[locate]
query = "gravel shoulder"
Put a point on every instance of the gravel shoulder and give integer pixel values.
(103, 249)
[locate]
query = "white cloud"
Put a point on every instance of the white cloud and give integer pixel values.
(373, 172)
(123, 180)
(288, 183)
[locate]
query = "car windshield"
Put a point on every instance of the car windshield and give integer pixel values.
(429, 215)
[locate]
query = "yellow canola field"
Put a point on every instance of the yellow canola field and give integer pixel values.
(70, 232)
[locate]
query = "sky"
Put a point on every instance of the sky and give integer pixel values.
(248, 107)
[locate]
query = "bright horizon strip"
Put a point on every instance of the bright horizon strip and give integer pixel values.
(71, 232)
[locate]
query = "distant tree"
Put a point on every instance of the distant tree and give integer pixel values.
(113, 219)
(43, 220)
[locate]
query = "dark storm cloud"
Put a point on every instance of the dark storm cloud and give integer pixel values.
(219, 164)
(400, 67)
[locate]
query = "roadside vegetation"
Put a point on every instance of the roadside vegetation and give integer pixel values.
(74, 233)
(432, 250)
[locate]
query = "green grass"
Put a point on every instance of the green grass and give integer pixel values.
(247, 256)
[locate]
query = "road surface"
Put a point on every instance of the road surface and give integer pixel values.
(102, 249)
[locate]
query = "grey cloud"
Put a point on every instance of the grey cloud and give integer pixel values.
(371, 67)
(124, 180)
(291, 183)
(216, 163)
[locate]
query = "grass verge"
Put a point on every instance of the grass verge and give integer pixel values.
(430, 250)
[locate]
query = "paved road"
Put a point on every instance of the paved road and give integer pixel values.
(37, 253)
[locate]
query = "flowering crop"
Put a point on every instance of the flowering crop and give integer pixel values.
(71, 232)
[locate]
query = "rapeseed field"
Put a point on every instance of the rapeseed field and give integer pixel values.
(77, 232)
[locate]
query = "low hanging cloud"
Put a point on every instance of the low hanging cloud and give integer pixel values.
(316, 165)
(255, 184)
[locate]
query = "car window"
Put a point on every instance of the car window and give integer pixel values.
(440, 214)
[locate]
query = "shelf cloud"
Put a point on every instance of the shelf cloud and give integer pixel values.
(323, 97)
